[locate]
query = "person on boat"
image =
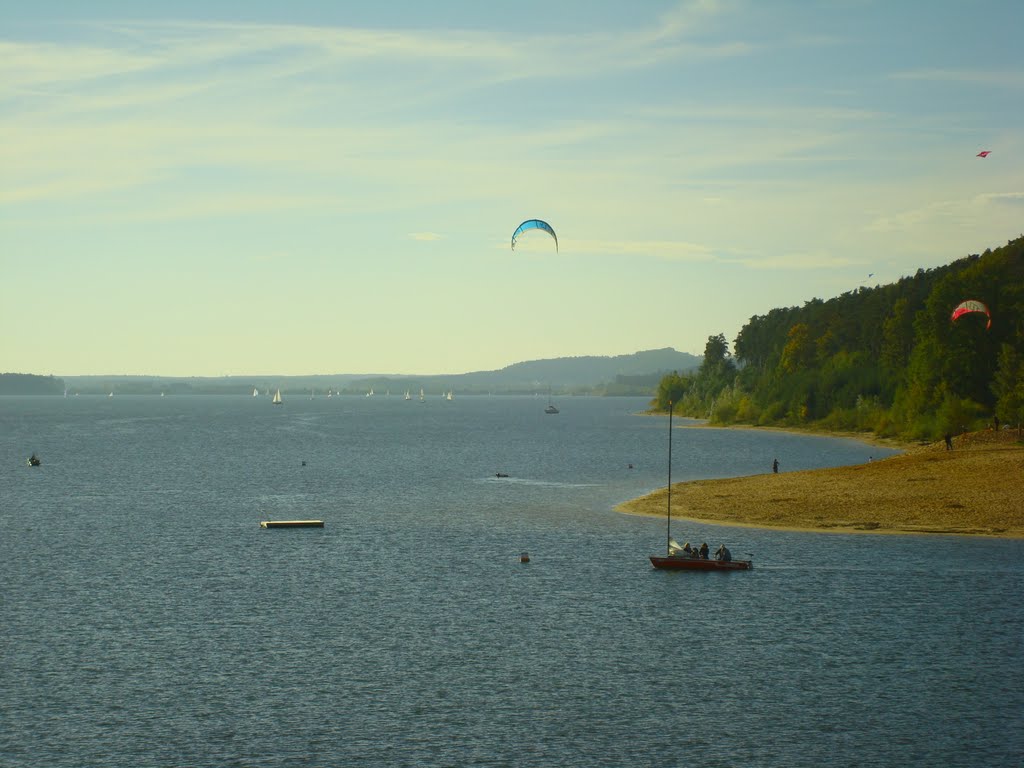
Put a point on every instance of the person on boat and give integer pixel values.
(688, 550)
(723, 554)
(704, 551)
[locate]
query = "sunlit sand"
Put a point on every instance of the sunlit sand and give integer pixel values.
(975, 489)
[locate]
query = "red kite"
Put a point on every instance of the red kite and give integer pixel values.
(984, 153)
(972, 305)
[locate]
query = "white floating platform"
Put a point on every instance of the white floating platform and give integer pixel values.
(291, 524)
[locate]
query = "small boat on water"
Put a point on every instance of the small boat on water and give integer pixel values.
(34, 461)
(679, 561)
(277, 398)
(677, 558)
(551, 406)
(291, 524)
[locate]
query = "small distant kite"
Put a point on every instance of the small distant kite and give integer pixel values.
(984, 153)
(971, 305)
(533, 224)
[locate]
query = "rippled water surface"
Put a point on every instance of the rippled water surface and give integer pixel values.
(148, 621)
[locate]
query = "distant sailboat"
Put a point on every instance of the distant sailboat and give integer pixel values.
(407, 395)
(370, 393)
(551, 406)
(277, 398)
(422, 396)
(450, 395)
(255, 392)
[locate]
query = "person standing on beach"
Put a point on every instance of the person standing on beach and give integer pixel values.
(775, 466)
(949, 442)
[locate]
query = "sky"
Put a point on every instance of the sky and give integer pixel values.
(227, 188)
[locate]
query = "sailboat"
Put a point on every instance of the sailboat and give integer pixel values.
(407, 395)
(677, 558)
(551, 406)
(277, 398)
(255, 392)
(423, 397)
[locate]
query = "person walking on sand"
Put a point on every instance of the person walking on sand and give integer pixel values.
(949, 442)
(775, 466)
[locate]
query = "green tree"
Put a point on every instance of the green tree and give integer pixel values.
(799, 350)
(1008, 386)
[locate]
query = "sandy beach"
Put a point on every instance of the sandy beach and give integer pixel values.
(975, 489)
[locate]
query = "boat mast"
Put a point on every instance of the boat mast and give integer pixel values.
(668, 520)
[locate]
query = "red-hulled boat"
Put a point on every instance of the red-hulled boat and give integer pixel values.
(677, 558)
(685, 563)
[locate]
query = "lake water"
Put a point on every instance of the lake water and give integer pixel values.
(147, 620)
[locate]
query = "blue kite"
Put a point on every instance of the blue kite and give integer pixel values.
(534, 224)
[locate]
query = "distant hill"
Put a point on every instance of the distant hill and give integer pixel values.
(30, 384)
(569, 373)
(634, 374)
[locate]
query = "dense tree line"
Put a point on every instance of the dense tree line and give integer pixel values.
(887, 359)
(30, 384)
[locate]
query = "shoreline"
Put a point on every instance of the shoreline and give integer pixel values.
(869, 438)
(973, 490)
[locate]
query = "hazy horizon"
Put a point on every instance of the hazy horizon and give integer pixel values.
(217, 188)
(349, 374)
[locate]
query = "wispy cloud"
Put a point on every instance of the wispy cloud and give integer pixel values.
(1002, 198)
(795, 260)
(1005, 79)
(663, 250)
(963, 211)
(425, 237)
(28, 65)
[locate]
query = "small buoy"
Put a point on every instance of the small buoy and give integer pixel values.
(524, 557)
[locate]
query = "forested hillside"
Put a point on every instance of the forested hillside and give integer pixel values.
(888, 359)
(29, 384)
